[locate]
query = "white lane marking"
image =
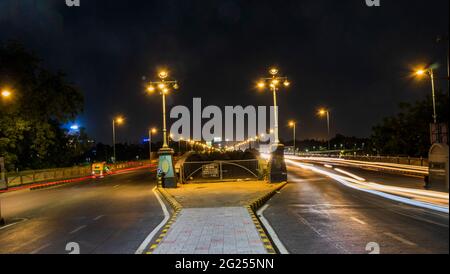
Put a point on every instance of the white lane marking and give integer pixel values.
(273, 235)
(36, 251)
(16, 223)
(152, 234)
(98, 217)
(77, 229)
(358, 220)
(400, 239)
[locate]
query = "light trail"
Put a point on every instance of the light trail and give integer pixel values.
(382, 191)
(350, 174)
(419, 170)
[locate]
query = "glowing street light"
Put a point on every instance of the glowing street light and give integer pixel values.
(151, 131)
(293, 125)
(165, 164)
(420, 72)
(325, 112)
(6, 93)
(277, 165)
(429, 71)
(164, 87)
(119, 121)
(274, 83)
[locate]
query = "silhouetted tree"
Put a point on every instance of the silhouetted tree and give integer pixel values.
(408, 133)
(31, 135)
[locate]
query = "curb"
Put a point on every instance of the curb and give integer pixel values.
(176, 206)
(170, 199)
(253, 207)
(259, 202)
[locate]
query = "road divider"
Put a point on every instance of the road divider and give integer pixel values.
(251, 207)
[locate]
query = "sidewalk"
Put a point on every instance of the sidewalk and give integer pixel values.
(214, 219)
(222, 230)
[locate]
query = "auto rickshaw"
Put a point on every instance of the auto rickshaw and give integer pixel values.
(99, 170)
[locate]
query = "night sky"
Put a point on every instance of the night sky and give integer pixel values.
(342, 54)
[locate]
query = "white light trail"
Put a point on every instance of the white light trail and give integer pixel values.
(370, 188)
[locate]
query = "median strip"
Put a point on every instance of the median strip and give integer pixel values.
(204, 224)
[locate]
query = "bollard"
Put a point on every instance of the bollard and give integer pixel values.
(163, 179)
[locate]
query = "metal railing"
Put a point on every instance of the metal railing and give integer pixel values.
(413, 161)
(220, 170)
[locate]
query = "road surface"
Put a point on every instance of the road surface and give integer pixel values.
(110, 215)
(314, 214)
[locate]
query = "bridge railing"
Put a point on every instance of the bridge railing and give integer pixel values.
(15, 179)
(413, 161)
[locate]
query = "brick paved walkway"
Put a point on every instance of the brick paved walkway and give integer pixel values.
(222, 230)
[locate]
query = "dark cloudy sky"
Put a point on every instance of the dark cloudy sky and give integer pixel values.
(340, 54)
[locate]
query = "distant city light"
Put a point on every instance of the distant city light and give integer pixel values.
(74, 127)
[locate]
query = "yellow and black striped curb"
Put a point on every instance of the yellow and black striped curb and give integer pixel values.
(255, 205)
(262, 233)
(163, 233)
(170, 199)
(177, 209)
(260, 201)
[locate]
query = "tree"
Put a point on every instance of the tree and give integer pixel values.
(408, 133)
(31, 135)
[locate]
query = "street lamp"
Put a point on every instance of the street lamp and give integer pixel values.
(151, 131)
(429, 71)
(274, 82)
(164, 88)
(6, 93)
(179, 144)
(293, 125)
(165, 164)
(325, 112)
(277, 165)
(118, 120)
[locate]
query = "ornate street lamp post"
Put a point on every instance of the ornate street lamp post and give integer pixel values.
(277, 165)
(166, 172)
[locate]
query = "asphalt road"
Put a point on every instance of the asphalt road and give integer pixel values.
(110, 215)
(314, 214)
